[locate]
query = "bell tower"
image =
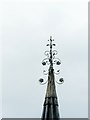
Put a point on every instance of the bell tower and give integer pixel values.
(50, 106)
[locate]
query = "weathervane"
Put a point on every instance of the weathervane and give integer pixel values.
(51, 60)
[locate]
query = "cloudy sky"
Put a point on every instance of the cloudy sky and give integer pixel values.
(25, 28)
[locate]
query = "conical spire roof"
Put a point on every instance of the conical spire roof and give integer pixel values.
(51, 91)
(50, 108)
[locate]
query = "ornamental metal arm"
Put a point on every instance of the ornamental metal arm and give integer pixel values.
(61, 81)
(42, 82)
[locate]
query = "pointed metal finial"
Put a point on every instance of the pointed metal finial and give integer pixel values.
(51, 59)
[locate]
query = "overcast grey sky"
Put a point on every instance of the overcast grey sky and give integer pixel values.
(26, 27)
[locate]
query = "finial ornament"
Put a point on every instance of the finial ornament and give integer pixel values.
(51, 60)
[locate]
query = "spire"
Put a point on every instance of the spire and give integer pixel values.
(51, 91)
(50, 107)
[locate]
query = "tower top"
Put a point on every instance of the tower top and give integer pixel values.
(50, 109)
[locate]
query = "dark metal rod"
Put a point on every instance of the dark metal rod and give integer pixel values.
(51, 62)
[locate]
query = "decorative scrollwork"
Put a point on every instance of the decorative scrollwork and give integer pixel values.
(42, 81)
(54, 53)
(45, 61)
(61, 81)
(52, 61)
(45, 72)
(47, 53)
(56, 61)
(57, 72)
